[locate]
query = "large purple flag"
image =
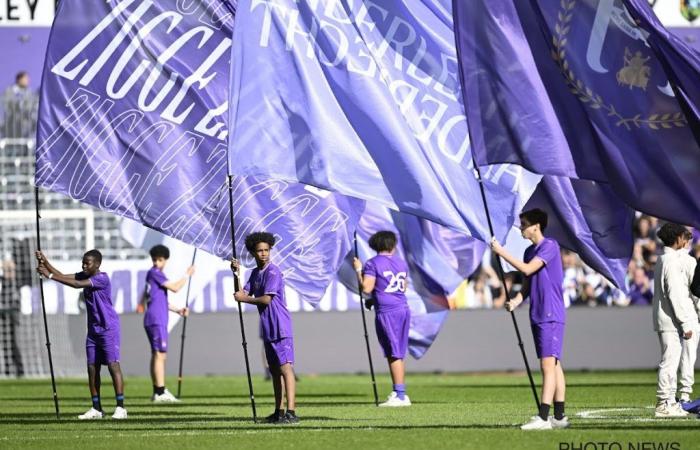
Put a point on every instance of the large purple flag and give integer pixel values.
(589, 219)
(439, 259)
(680, 61)
(133, 120)
(571, 88)
(364, 100)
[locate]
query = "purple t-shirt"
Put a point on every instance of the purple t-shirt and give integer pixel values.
(546, 294)
(101, 316)
(275, 321)
(157, 311)
(390, 286)
(638, 296)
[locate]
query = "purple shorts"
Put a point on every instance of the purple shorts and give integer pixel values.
(279, 352)
(549, 339)
(158, 337)
(102, 348)
(392, 331)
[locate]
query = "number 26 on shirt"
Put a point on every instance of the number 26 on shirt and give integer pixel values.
(397, 282)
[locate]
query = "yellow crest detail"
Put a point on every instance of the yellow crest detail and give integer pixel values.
(635, 72)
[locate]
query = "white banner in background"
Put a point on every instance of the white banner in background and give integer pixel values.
(25, 13)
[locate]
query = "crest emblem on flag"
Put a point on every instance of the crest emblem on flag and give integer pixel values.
(612, 33)
(690, 9)
(635, 73)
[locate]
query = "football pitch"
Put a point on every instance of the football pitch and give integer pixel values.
(614, 410)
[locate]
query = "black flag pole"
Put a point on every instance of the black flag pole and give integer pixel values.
(236, 287)
(364, 326)
(501, 275)
(184, 327)
(499, 265)
(43, 306)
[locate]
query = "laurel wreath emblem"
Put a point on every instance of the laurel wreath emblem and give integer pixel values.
(586, 95)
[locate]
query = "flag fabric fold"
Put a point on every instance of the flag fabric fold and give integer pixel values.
(133, 121)
(680, 61)
(439, 259)
(572, 88)
(363, 99)
(589, 219)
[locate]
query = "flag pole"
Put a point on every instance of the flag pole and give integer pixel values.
(43, 305)
(184, 327)
(364, 326)
(236, 287)
(499, 266)
(501, 275)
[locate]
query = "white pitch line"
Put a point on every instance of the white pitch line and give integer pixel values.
(603, 414)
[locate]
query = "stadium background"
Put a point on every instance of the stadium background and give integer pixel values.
(606, 332)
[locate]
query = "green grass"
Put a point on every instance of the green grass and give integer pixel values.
(450, 411)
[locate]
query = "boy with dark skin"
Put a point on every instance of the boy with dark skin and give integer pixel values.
(265, 289)
(103, 335)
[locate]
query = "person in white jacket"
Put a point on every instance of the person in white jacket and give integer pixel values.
(675, 316)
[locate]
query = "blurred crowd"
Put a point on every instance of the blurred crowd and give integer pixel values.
(583, 286)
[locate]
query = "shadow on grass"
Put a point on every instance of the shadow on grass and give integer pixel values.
(204, 422)
(139, 403)
(303, 426)
(41, 382)
(520, 385)
(685, 425)
(304, 394)
(138, 420)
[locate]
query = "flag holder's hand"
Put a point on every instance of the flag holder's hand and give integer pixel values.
(184, 312)
(496, 246)
(357, 264)
(241, 296)
(513, 303)
(43, 271)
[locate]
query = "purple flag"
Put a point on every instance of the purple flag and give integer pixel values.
(571, 88)
(133, 120)
(680, 61)
(589, 219)
(438, 258)
(362, 98)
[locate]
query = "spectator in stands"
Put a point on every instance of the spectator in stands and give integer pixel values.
(642, 229)
(640, 289)
(20, 104)
(479, 294)
(573, 276)
(649, 257)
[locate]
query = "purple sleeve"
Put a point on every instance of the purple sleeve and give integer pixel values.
(246, 286)
(273, 283)
(248, 283)
(370, 269)
(100, 281)
(159, 277)
(548, 252)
